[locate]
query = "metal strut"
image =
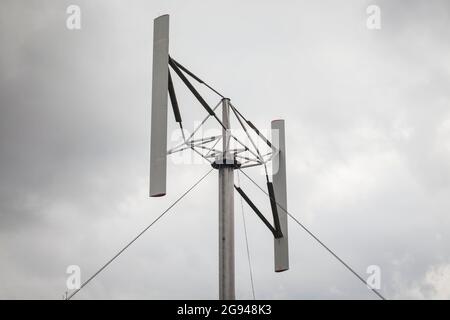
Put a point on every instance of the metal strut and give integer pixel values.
(276, 231)
(191, 87)
(196, 78)
(173, 100)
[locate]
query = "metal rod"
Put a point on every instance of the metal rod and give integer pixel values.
(191, 87)
(196, 78)
(198, 127)
(204, 140)
(204, 120)
(253, 127)
(256, 210)
(200, 154)
(173, 100)
(205, 148)
(243, 166)
(248, 135)
(242, 144)
(236, 151)
(189, 144)
(226, 214)
(247, 158)
(213, 146)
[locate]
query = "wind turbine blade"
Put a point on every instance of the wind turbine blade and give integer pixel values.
(160, 82)
(281, 250)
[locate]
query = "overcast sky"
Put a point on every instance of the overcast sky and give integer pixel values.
(368, 143)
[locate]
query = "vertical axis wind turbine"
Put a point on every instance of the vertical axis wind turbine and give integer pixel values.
(234, 155)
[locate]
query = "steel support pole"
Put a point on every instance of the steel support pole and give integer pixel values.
(226, 214)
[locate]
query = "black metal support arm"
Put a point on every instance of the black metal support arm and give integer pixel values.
(275, 231)
(195, 77)
(251, 125)
(173, 100)
(273, 204)
(191, 87)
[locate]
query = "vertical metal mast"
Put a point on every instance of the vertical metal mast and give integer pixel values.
(226, 212)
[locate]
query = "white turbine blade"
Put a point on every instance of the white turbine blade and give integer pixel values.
(158, 146)
(281, 249)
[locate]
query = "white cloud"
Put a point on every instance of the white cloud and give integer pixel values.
(435, 284)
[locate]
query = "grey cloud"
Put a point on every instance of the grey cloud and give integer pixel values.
(368, 131)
